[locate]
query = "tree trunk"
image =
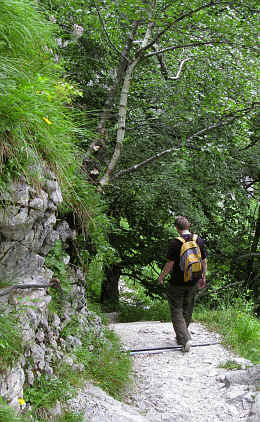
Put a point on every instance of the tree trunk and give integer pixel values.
(94, 157)
(121, 123)
(109, 289)
(122, 111)
(251, 270)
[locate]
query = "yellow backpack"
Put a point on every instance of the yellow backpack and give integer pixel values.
(190, 259)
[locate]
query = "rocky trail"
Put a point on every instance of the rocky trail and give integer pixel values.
(177, 386)
(174, 386)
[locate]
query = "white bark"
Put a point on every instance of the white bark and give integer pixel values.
(123, 109)
(101, 128)
(121, 123)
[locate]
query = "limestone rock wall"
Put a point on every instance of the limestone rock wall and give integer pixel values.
(28, 230)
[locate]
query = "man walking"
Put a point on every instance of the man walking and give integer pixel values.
(181, 294)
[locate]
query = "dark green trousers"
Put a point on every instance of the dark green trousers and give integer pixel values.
(181, 302)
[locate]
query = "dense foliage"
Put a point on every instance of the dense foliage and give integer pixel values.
(174, 106)
(144, 109)
(165, 123)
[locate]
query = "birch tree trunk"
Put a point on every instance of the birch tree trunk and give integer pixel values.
(123, 108)
(252, 270)
(121, 123)
(98, 144)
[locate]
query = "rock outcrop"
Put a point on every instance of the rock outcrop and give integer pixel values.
(98, 406)
(28, 231)
(249, 377)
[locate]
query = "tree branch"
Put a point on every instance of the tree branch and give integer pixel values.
(230, 118)
(144, 163)
(107, 35)
(163, 67)
(101, 128)
(206, 291)
(248, 255)
(175, 47)
(166, 151)
(253, 143)
(122, 112)
(178, 74)
(180, 18)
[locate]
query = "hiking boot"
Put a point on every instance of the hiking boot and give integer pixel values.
(187, 346)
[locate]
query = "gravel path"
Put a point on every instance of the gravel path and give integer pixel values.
(175, 387)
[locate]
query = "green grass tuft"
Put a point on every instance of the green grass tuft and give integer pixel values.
(45, 391)
(70, 417)
(240, 330)
(10, 340)
(230, 364)
(7, 414)
(105, 364)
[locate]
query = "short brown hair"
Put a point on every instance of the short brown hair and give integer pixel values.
(182, 223)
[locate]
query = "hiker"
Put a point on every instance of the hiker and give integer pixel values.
(183, 285)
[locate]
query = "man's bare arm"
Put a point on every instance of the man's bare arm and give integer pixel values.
(166, 270)
(202, 281)
(204, 268)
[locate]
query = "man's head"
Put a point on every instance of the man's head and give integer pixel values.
(181, 223)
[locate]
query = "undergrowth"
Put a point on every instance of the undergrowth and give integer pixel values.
(230, 365)
(240, 329)
(55, 261)
(104, 364)
(8, 414)
(45, 391)
(135, 305)
(152, 310)
(10, 340)
(70, 417)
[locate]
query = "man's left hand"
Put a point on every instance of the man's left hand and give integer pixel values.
(160, 280)
(202, 283)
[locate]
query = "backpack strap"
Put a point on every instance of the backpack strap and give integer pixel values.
(181, 239)
(194, 237)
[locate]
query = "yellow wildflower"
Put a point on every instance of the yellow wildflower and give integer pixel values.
(21, 401)
(47, 120)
